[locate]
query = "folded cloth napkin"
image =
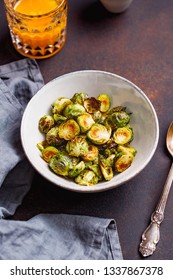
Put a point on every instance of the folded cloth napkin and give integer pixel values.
(59, 236)
(45, 236)
(19, 81)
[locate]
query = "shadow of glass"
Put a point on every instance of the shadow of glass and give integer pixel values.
(7, 50)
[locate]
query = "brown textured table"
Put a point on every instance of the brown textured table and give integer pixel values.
(137, 45)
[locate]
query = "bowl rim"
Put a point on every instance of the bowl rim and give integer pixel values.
(97, 187)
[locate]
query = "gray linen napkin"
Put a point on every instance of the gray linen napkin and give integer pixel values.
(63, 237)
(45, 236)
(19, 81)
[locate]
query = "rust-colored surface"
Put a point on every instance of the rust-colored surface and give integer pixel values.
(137, 45)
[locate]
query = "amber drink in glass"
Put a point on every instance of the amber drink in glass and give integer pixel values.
(37, 27)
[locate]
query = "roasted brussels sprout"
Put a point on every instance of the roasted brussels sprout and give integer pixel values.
(46, 123)
(118, 119)
(52, 137)
(59, 118)
(73, 110)
(123, 135)
(126, 150)
(92, 153)
(69, 129)
(106, 171)
(98, 134)
(60, 164)
(79, 97)
(124, 162)
(86, 178)
(92, 105)
(77, 147)
(106, 166)
(49, 152)
(77, 169)
(42, 145)
(85, 122)
(98, 117)
(105, 102)
(59, 105)
(96, 169)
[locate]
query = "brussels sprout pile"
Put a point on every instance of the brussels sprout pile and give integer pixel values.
(85, 139)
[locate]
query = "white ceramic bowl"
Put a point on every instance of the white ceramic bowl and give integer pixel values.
(122, 92)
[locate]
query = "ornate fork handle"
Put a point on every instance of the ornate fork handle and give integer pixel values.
(151, 235)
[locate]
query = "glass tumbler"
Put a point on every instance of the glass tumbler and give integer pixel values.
(37, 27)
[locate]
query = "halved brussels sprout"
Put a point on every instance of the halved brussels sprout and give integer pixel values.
(92, 153)
(69, 129)
(126, 150)
(106, 166)
(46, 123)
(98, 134)
(98, 117)
(118, 119)
(107, 171)
(52, 137)
(49, 152)
(42, 145)
(86, 178)
(79, 97)
(59, 105)
(77, 147)
(85, 121)
(96, 169)
(105, 102)
(77, 169)
(60, 164)
(92, 105)
(123, 135)
(124, 162)
(73, 110)
(59, 118)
